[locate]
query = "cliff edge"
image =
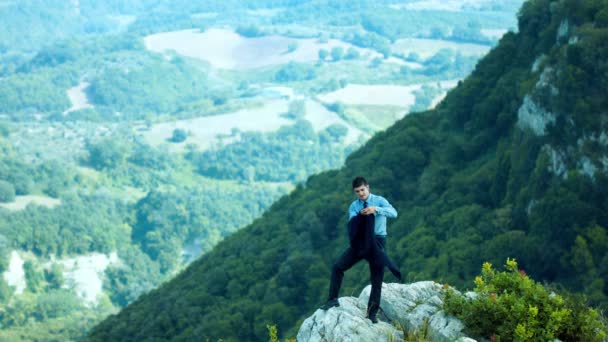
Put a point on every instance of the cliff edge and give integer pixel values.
(404, 309)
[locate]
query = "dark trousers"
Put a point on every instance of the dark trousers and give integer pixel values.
(376, 269)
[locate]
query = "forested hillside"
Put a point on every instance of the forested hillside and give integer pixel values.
(511, 164)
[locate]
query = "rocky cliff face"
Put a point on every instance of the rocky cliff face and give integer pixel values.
(405, 308)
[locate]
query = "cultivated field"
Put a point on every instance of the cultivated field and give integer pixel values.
(226, 49)
(21, 202)
(493, 33)
(78, 97)
(441, 5)
(359, 94)
(426, 48)
(320, 118)
(206, 132)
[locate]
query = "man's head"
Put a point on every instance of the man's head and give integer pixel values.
(361, 188)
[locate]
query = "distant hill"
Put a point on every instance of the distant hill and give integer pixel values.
(513, 163)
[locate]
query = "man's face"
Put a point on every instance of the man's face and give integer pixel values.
(362, 192)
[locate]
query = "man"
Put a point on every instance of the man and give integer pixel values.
(377, 208)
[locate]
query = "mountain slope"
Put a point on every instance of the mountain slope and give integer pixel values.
(512, 163)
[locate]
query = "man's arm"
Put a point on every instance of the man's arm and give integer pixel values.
(385, 209)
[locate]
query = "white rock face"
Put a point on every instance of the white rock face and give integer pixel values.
(537, 62)
(587, 167)
(532, 116)
(563, 30)
(408, 306)
(15, 275)
(558, 165)
(84, 274)
(546, 81)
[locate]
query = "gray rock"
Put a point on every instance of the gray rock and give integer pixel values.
(532, 116)
(346, 323)
(413, 307)
(563, 30)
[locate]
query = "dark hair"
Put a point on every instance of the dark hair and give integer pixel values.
(358, 181)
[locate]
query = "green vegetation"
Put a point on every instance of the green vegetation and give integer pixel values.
(7, 191)
(159, 87)
(424, 97)
(293, 71)
(250, 31)
(290, 154)
(273, 334)
(40, 91)
(469, 185)
(148, 235)
(509, 306)
(179, 135)
(337, 53)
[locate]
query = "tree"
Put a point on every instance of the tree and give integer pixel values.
(292, 46)
(249, 31)
(413, 57)
(470, 33)
(297, 109)
(337, 52)
(107, 154)
(352, 53)
(179, 135)
(375, 62)
(33, 276)
(4, 130)
(336, 132)
(54, 276)
(7, 191)
(293, 71)
(323, 54)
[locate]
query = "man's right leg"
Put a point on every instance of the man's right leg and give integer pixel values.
(345, 262)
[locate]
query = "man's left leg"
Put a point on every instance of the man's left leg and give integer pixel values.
(376, 269)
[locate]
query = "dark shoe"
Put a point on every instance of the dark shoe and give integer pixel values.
(373, 319)
(330, 304)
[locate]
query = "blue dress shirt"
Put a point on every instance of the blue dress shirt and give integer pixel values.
(383, 210)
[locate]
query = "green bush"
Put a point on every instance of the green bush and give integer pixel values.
(510, 306)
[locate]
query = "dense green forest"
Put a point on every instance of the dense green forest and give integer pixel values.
(472, 180)
(290, 154)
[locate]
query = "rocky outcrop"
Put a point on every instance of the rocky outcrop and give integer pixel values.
(532, 116)
(404, 308)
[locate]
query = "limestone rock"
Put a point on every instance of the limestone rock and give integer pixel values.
(346, 323)
(532, 116)
(413, 307)
(412, 304)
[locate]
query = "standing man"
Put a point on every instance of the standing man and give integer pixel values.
(366, 204)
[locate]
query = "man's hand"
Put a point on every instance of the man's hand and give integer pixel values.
(368, 211)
